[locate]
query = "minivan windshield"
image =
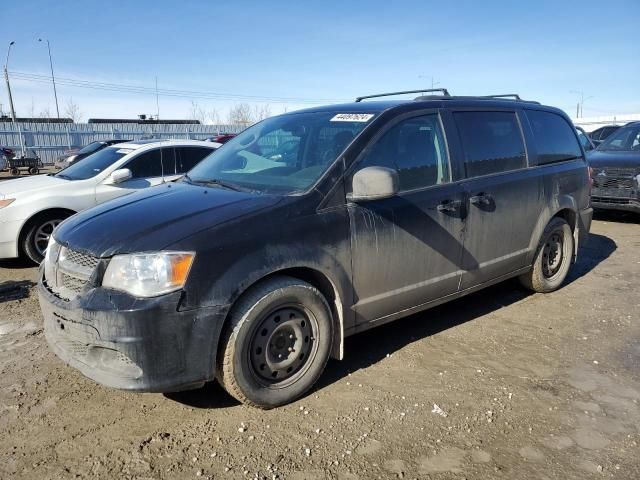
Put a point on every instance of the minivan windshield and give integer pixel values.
(93, 164)
(625, 139)
(284, 154)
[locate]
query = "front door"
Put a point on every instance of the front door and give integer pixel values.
(504, 196)
(146, 170)
(406, 250)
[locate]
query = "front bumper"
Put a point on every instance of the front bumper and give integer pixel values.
(145, 345)
(9, 231)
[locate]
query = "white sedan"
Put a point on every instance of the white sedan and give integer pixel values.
(31, 207)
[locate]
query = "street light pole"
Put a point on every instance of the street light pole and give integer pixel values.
(53, 78)
(6, 78)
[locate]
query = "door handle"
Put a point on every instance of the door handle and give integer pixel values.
(481, 199)
(449, 206)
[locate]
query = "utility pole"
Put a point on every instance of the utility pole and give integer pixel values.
(580, 109)
(157, 101)
(53, 78)
(6, 78)
(433, 82)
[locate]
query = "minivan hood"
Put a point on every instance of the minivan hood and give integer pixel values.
(20, 186)
(613, 158)
(156, 218)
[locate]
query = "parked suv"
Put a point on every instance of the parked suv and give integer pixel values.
(253, 270)
(30, 208)
(616, 171)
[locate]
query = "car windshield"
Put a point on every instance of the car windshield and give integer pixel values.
(92, 147)
(625, 139)
(284, 154)
(93, 164)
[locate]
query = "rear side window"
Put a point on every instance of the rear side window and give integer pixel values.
(492, 142)
(189, 157)
(555, 138)
(146, 165)
(415, 148)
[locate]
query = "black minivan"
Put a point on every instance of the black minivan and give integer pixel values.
(309, 227)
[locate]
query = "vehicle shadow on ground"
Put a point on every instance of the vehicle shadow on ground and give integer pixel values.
(370, 347)
(16, 263)
(15, 290)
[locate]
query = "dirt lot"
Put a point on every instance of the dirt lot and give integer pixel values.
(529, 386)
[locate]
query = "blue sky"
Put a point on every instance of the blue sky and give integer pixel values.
(322, 51)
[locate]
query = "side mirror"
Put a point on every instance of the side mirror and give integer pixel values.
(373, 183)
(119, 176)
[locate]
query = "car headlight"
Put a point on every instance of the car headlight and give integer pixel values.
(148, 274)
(6, 202)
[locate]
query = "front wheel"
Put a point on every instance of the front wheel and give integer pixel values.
(277, 344)
(553, 258)
(38, 232)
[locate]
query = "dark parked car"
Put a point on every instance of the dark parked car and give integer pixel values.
(616, 171)
(72, 156)
(600, 134)
(253, 270)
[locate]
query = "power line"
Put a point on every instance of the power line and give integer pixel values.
(124, 88)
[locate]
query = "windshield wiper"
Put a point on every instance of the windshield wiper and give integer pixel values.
(215, 181)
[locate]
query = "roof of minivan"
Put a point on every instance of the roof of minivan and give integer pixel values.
(377, 106)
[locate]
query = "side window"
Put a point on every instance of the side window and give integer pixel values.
(492, 142)
(416, 149)
(146, 165)
(555, 138)
(189, 157)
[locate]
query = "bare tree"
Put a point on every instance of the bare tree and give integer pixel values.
(196, 112)
(72, 111)
(214, 117)
(241, 114)
(260, 112)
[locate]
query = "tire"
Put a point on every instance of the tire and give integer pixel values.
(271, 318)
(34, 170)
(15, 172)
(553, 258)
(38, 231)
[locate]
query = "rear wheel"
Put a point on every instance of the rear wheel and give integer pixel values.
(15, 172)
(553, 258)
(38, 232)
(34, 170)
(277, 344)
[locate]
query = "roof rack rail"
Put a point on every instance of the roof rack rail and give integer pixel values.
(444, 92)
(515, 96)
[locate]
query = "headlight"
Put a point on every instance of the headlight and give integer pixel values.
(6, 202)
(148, 274)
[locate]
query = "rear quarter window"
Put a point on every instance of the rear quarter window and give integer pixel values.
(555, 138)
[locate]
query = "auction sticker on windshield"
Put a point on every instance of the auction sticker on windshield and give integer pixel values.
(352, 117)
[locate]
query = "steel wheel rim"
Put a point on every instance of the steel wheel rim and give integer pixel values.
(283, 345)
(553, 254)
(41, 238)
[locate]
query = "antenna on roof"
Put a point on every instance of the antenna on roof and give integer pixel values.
(443, 91)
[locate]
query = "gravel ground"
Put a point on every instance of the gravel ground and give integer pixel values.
(501, 384)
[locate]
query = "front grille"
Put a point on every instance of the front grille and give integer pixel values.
(609, 182)
(81, 259)
(617, 171)
(71, 272)
(72, 283)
